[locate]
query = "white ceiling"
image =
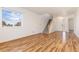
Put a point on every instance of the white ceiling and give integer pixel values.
(54, 11)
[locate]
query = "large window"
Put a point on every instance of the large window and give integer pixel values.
(11, 17)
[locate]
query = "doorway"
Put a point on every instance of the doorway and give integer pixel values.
(46, 29)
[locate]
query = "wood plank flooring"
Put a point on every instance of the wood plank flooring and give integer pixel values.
(42, 43)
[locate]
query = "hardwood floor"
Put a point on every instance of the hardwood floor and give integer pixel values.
(42, 43)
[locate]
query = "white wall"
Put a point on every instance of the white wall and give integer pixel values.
(57, 22)
(76, 24)
(71, 23)
(32, 23)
